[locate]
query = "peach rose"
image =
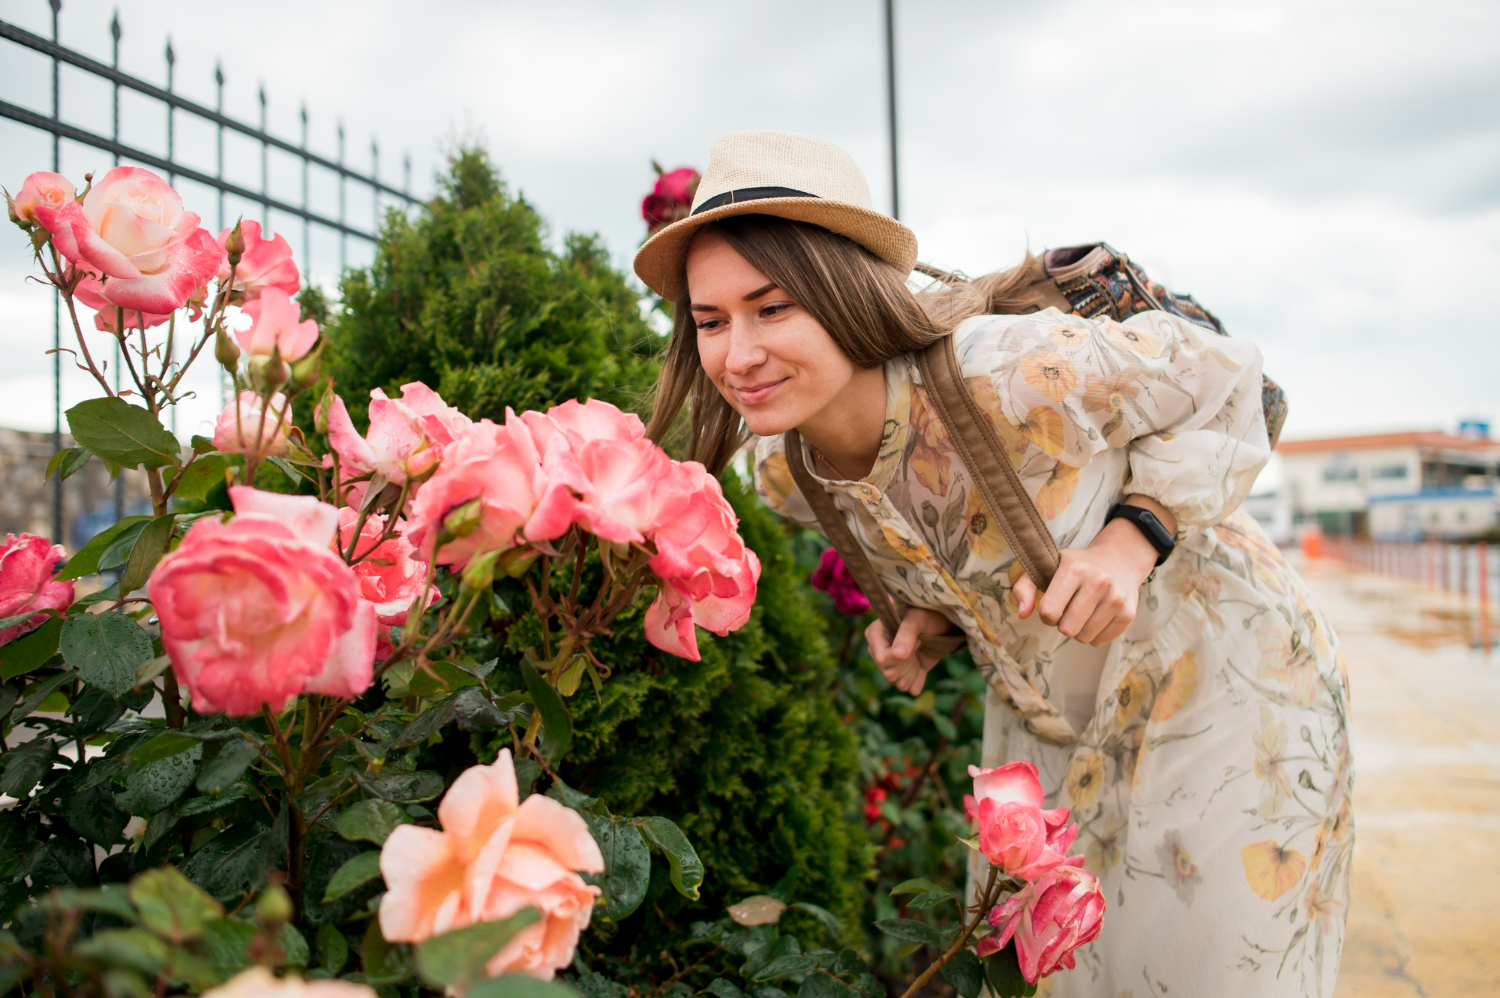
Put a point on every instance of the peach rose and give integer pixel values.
(708, 575)
(500, 466)
(1049, 918)
(90, 292)
(131, 228)
(494, 856)
(406, 439)
(258, 982)
(49, 190)
(266, 263)
(248, 426)
(259, 609)
(391, 574)
(28, 564)
(274, 327)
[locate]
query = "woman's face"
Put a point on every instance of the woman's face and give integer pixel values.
(769, 357)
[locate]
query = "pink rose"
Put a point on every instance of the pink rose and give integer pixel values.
(406, 439)
(835, 579)
(391, 574)
(132, 229)
(274, 327)
(90, 292)
(1049, 918)
(259, 609)
(603, 454)
(1015, 833)
(28, 565)
(493, 857)
(671, 198)
(48, 190)
(708, 575)
(500, 466)
(266, 263)
(258, 982)
(248, 426)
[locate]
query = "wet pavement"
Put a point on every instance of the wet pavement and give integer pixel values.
(1425, 913)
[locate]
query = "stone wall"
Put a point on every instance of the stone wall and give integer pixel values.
(88, 496)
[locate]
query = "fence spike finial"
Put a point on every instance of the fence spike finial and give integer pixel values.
(56, 6)
(219, 74)
(171, 55)
(114, 25)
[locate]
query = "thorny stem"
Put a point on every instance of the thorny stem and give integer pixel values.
(987, 899)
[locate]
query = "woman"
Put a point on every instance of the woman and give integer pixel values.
(1193, 716)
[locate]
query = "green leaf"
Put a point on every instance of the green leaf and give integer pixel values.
(123, 433)
(456, 958)
(148, 549)
(228, 766)
(106, 649)
(370, 821)
(234, 861)
(356, 873)
(917, 886)
(199, 478)
(627, 865)
(162, 746)
(227, 942)
(333, 948)
(827, 918)
(929, 899)
(1004, 974)
(964, 973)
(92, 814)
(25, 765)
(686, 867)
(439, 678)
(721, 988)
(69, 460)
(294, 948)
(155, 786)
(86, 561)
(403, 788)
(209, 803)
(558, 725)
(133, 948)
(384, 963)
(782, 966)
(428, 723)
(171, 905)
(520, 986)
(476, 713)
(30, 651)
(907, 930)
(118, 551)
(25, 616)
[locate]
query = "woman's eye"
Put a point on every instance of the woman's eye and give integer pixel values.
(774, 309)
(707, 325)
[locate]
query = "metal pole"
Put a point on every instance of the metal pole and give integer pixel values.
(343, 238)
(890, 83)
(114, 33)
(306, 225)
(406, 175)
(375, 190)
(219, 107)
(171, 179)
(265, 171)
(57, 417)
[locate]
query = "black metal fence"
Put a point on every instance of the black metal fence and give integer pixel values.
(311, 214)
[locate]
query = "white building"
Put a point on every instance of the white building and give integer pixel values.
(1396, 485)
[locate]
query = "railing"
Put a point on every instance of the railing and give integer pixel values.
(167, 162)
(1470, 571)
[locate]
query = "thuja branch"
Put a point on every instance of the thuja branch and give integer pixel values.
(987, 899)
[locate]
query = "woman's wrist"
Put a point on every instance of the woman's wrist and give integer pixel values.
(1124, 543)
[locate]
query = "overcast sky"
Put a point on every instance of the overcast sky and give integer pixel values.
(1324, 175)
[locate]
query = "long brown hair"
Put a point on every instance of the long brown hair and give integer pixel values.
(862, 301)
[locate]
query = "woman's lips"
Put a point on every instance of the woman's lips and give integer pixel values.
(755, 394)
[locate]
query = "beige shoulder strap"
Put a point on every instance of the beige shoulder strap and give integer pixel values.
(983, 454)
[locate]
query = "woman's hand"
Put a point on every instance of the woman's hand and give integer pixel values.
(1093, 595)
(899, 659)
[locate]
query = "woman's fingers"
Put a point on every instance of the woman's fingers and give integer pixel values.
(1025, 591)
(1055, 600)
(907, 635)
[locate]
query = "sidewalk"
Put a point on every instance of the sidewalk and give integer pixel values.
(1425, 916)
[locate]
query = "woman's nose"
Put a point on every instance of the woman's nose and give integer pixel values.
(744, 353)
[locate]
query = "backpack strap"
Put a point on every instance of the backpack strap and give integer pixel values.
(982, 453)
(853, 553)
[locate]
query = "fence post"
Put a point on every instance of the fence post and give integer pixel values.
(306, 225)
(115, 33)
(265, 168)
(57, 417)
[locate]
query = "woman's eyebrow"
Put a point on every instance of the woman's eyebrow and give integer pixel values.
(760, 291)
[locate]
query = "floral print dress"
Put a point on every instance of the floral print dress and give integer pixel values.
(1205, 753)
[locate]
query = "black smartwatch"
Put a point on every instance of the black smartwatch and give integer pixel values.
(1148, 524)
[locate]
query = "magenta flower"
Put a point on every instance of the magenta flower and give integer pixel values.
(834, 578)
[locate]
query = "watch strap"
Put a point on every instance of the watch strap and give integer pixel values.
(1147, 523)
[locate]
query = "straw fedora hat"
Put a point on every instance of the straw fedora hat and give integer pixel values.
(792, 176)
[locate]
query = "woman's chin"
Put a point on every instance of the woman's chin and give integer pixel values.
(768, 423)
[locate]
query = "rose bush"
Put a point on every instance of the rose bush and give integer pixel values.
(28, 584)
(835, 579)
